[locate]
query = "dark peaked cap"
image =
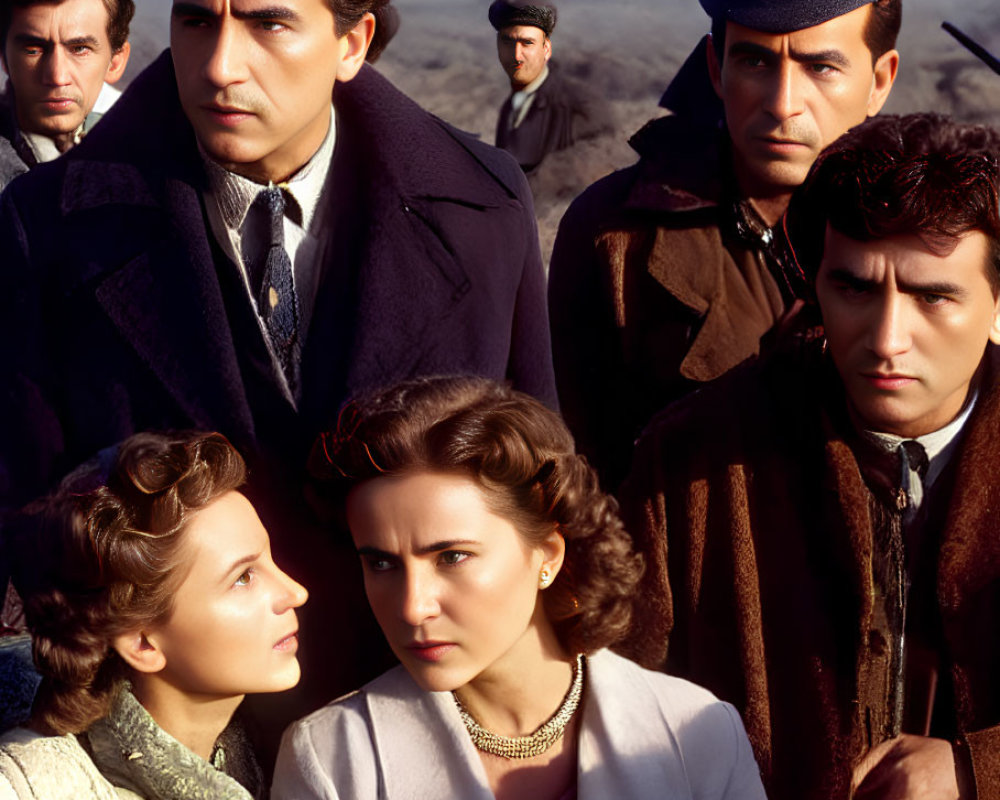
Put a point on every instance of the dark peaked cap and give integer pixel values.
(504, 13)
(779, 16)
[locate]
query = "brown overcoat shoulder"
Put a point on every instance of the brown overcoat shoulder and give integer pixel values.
(752, 513)
(647, 298)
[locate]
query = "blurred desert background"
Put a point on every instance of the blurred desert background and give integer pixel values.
(626, 51)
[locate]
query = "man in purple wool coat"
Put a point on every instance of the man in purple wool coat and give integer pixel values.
(230, 250)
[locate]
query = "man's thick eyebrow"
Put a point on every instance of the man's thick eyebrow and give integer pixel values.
(31, 39)
(76, 41)
(192, 10)
(525, 39)
(374, 552)
(844, 275)
(272, 12)
(935, 287)
(832, 56)
(938, 287)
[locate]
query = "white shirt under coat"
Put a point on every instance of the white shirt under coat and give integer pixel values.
(939, 445)
(521, 100)
(44, 148)
(244, 236)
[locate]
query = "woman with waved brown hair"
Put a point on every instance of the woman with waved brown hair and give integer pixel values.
(154, 607)
(499, 573)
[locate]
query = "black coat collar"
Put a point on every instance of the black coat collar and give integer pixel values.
(146, 134)
(140, 170)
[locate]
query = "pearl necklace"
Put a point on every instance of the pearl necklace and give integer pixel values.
(534, 744)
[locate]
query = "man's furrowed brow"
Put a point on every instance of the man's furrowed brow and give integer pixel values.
(847, 276)
(192, 10)
(274, 12)
(942, 287)
(30, 40)
(283, 13)
(831, 56)
(511, 39)
(740, 48)
(374, 552)
(82, 41)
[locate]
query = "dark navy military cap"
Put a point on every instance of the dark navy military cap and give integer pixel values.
(779, 16)
(504, 13)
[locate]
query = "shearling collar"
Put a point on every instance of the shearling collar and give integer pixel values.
(134, 753)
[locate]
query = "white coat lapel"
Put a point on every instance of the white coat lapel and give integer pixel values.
(424, 749)
(627, 749)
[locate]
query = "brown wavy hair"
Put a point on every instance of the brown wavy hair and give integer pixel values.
(348, 13)
(100, 558)
(921, 174)
(521, 455)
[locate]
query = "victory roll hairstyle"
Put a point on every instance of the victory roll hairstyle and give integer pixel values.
(521, 456)
(101, 557)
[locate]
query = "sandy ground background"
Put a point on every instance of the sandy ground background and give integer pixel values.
(626, 51)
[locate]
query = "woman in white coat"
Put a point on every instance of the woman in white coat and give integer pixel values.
(499, 573)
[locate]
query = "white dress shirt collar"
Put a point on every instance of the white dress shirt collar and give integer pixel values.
(234, 193)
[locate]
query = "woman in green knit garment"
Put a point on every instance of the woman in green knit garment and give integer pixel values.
(154, 607)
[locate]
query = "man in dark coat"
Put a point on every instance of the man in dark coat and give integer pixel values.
(543, 113)
(821, 527)
(154, 282)
(60, 58)
(668, 273)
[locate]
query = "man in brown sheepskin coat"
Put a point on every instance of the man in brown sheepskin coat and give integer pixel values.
(822, 527)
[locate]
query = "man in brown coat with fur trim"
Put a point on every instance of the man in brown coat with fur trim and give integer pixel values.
(667, 274)
(822, 527)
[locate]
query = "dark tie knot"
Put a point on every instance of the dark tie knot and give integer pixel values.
(914, 456)
(272, 201)
(277, 203)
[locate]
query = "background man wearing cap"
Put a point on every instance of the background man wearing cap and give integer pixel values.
(820, 526)
(542, 112)
(668, 273)
(61, 57)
